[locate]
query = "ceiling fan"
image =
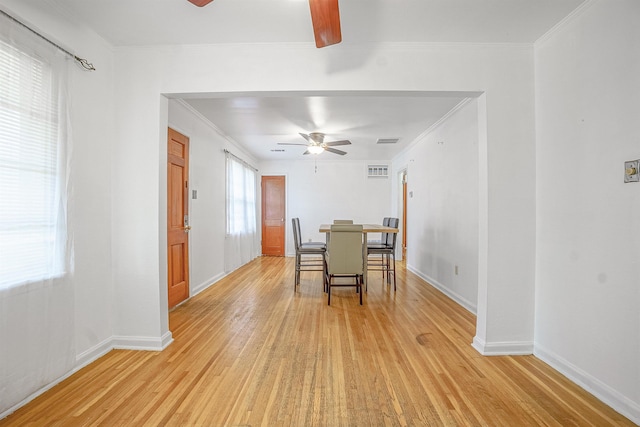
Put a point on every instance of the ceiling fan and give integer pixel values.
(325, 16)
(316, 145)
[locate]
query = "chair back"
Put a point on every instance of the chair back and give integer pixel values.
(343, 221)
(346, 249)
(390, 238)
(297, 239)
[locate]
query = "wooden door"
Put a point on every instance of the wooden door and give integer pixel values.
(273, 215)
(178, 217)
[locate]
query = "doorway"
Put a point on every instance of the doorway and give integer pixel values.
(273, 215)
(177, 217)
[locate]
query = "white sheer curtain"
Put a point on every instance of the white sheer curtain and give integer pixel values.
(37, 343)
(241, 244)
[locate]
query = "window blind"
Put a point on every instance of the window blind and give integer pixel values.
(30, 196)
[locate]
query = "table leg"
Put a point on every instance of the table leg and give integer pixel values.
(365, 257)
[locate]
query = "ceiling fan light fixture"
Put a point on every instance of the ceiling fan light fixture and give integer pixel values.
(315, 149)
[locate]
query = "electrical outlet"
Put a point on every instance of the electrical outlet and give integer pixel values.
(632, 171)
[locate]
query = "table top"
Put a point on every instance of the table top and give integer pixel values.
(367, 228)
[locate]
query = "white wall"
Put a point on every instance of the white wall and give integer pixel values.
(442, 214)
(507, 226)
(320, 191)
(92, 124)
(588, 233)
(207, 177)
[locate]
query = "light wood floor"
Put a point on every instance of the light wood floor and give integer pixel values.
(249, 351)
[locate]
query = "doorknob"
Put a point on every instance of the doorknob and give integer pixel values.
(187, 228)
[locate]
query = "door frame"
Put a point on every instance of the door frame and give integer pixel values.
(402, 208)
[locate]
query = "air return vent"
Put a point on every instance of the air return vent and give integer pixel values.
(378, 171)
(387, 140)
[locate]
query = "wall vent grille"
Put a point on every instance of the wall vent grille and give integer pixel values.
(378, 171)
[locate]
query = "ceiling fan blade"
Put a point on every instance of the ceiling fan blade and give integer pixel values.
(305, 136)
(326, 22)
(334, 143)
(333, 150)
(201, 3)
(307, 152)
(292, 143)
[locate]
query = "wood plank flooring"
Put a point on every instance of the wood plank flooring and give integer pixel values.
(249, 351)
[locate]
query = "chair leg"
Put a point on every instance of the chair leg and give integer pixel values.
(329, 291)
(359, 280)
(394, 271)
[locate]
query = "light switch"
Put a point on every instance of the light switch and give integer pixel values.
(632, 171)
(194, 194)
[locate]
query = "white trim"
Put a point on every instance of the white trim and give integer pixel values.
(213, 127)
(459, 106)
(560, 26)
(599, 389)
(142, 343)
(94, 353)
(468, 305)
(204, 285)
(504, 348)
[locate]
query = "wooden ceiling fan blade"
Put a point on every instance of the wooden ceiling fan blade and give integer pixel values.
(201, 3)
(333, 150)
(334, 143)
(325, 16)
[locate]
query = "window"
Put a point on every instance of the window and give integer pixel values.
(32, 213)
(241, 198)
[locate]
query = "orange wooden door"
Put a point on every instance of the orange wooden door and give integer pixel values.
(273, 214)
(178, 217)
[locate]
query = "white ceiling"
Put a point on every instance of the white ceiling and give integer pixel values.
(260, 122)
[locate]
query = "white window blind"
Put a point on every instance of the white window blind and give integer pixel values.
(32, 235)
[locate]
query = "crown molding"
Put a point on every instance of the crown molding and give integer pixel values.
(562, 25)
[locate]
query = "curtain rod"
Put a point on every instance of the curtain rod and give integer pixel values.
(240, 160)
(83, 62)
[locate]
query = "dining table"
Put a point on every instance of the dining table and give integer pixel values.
(366, 228)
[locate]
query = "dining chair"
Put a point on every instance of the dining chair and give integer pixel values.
(307, 254)
(344, 258)
(343, 221)
(386, 249)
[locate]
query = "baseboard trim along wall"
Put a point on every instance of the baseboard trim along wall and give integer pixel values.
(603, 392)
(468, 305)
(143, 343)
(94, 353)
(204, 285)
(505, 348)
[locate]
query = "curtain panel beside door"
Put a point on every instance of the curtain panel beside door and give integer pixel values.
(241, 242)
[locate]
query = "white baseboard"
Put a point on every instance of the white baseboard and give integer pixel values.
(602, 391)
(512, 348)
(204, 285)
(94, 353)
(143, 343)
(468, 305)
